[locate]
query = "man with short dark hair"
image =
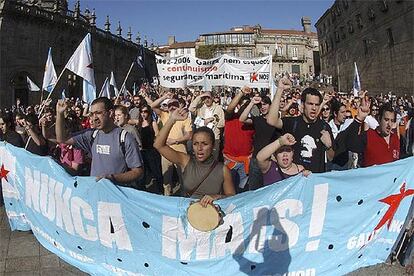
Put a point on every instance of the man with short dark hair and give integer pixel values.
(134, 112)
(378, 146)
(313, 135)
(264, 135)
(114, 159)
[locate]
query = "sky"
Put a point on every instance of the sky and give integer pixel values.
(188, 19)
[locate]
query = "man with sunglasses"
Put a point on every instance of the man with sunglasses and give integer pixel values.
(371, 121)
(120, 164)
(179, 135)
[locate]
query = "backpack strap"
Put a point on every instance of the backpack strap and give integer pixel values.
(122, 136)
(93, 135)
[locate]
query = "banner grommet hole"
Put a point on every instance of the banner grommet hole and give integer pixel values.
(79, 247)
(75, 184)
(252, 267)
(338, 198)
(360, 202)
(57, 232)
(11, 204)
(330, 246)
(146, 265)
(119, 260)
(378, 212)
(359, 257)
(146, 225)
(184, 263)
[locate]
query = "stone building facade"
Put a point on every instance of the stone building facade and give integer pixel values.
(176, 49)
(378, 36)
(29, 28)
(293, 51)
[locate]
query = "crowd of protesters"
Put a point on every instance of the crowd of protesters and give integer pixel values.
(212, 144)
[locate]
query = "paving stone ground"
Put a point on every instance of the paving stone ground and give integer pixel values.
(22, 255)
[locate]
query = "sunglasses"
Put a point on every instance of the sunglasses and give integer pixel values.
(144, 111)
(326, 109)
(176, 104)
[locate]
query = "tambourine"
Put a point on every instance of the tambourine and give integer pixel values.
(204, 218)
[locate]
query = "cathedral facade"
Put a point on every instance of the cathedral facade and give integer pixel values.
(376, 35)
(29, 27)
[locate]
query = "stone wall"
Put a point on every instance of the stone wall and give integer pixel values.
(27, 32)
(378, 36)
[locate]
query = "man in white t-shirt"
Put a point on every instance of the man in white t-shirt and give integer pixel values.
(209, 114)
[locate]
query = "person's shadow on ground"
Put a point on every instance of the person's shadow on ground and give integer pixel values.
(274, 248)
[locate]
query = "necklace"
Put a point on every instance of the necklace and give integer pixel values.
(286, 169)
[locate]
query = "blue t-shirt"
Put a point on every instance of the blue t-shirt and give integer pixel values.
(106, 151)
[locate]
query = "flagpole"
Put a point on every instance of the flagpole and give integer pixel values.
(44, 104)
(41, 95)
(48, 96)
(103, 85)
(124, 83)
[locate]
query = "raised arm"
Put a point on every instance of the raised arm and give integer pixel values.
(235, 101)
(38, 139)
(160, 143)
(144, 93)
(195, 104)
(61, 134)
(263, 156)
(273, 118)
(245, 114)
(355, 136)
(156, 104)
(326, 99)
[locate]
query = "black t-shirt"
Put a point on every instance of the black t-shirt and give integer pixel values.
(147, 137)
(13, 138)
(309, 151)
(42, 150)
(265, 133)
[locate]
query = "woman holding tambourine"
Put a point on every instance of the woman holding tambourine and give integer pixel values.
(203, 177)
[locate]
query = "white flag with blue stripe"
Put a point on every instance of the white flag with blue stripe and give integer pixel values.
(113, 83)
(50, 77)
(105, 90)
(31, 85)
(81, 63)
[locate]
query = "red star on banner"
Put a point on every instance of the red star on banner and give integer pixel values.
(394, 202)
(253, 77)
(3, 173)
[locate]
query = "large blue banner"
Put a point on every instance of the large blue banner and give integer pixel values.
(325, 224)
